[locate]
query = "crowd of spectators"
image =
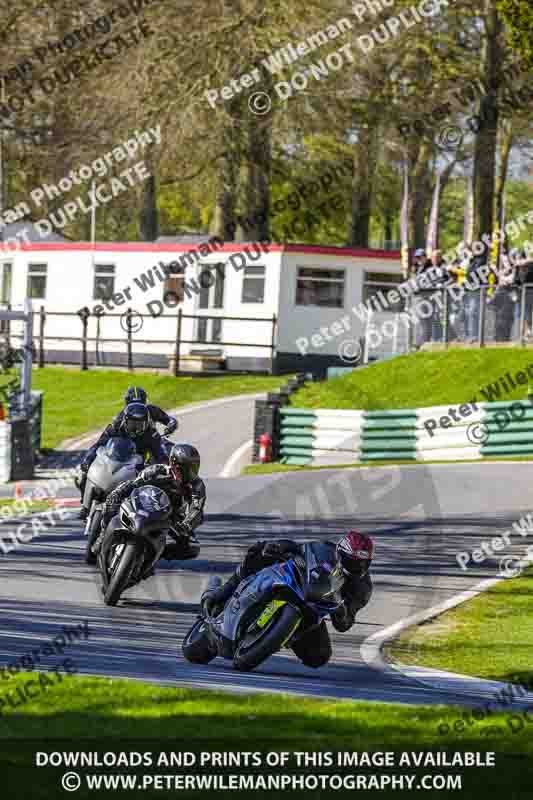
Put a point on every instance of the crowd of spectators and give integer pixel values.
(502, 296)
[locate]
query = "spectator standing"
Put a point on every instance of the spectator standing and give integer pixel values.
(423, 323)
(473, 294)
(505, 299)
(439, 276)
(457, 270)
(524, 276)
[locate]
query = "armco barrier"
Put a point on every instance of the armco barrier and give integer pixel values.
(485, 430)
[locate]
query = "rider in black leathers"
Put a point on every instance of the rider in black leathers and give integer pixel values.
(136, 394)
(353, 553)
(143, 433)
(186, 492)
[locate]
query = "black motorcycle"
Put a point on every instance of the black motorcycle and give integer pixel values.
(134, 541)
(269, 610)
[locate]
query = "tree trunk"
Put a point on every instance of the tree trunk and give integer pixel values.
(487, 135)
(506, 144)
(148, 217)
(256, 190)
(227, 179)
(388, 230)
(420, 186)
(364, 168)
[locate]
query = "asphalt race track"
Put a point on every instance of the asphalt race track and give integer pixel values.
(420, 517)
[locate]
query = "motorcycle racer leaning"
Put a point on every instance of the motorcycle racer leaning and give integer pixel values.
(352, 555)
(186, 492)
(135, 421)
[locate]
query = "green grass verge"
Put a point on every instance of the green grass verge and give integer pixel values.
(88, 714)
(490, 637)
(30, 506)
(276, 466)
(418, 380)
(77, 402)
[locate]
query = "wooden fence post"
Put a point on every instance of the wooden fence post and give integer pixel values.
(129, 314)
(42, 319)
(84, 316)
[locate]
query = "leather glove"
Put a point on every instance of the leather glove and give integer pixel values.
(181, 529)
(156, 471)
(272, 550)
(171, 427)
(211, 599)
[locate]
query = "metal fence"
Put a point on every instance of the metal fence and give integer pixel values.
(89, 350)
(487, 315)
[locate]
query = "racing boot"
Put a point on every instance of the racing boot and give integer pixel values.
(214, 600)
(187, 547)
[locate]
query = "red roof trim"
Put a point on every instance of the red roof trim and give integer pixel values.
(150, 247)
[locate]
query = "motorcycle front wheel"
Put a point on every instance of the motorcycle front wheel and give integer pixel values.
(121, 575)
(248, 656)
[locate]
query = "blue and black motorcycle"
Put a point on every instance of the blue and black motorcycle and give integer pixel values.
(269, 610)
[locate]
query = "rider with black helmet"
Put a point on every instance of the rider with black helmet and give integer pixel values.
(186, 491)
(135, 422)
(136, 394)
(350, 559)
(149, 441)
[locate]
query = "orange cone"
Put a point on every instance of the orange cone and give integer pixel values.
(18, 491)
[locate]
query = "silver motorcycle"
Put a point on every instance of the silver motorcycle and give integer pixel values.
(115, 462)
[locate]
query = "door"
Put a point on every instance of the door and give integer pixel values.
(211, 299)
(5, 293)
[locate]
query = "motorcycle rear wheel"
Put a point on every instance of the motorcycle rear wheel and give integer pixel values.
(121, 575)
(196, 647)
(247, 658)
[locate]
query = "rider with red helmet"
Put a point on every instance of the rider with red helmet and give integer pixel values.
(351, 557)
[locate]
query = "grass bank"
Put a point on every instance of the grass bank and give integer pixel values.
(490, 637)
(421, 379)
(77, 402)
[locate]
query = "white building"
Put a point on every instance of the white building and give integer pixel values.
(310, 290)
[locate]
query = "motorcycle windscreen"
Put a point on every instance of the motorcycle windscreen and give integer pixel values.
(321, 580)
(120, 449)
(151, 500)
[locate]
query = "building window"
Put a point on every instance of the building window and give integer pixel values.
(320, 287)
(6, 283)
(174, 287)
(211, 282)
(378, 284)
(253, 285)
(104, 281)
(36, 288)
